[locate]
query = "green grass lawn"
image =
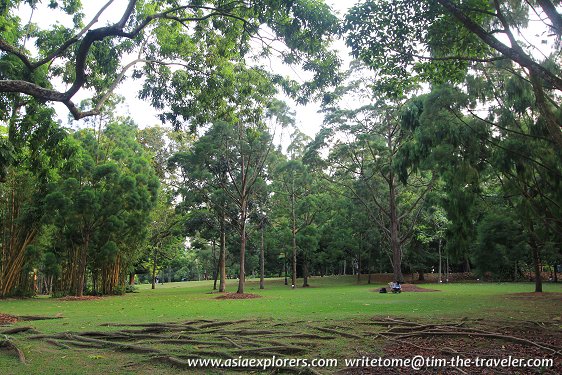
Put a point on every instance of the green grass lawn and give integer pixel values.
(329, 300)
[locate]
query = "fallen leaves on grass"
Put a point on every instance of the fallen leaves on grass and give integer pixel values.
(238, 296)
(6, 319)
(411, 288)
(466, 339)
(75, 298)
(551, 296)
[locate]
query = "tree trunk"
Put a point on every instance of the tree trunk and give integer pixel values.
(294, 239)
(243, 213)
(154, 265)
(262, 259)
(369, 263)
(217, 271)
(222, 257)
(447, 270)
(81, 274)
(440, 261)
(394, 233)
(132, 278)
(285, 268)
(359, 259)
(305, 272)
(536, 258)
(216, 265)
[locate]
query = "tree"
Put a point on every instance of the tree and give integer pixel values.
(101, 207)
(165, 235)
(441, 41)
(29, 158)
(179, 45)
(364, 161)
(504, 157)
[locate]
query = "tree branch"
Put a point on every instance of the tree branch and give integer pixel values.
(512, 53)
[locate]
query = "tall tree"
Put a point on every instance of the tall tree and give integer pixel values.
(364, 160)
(97, 205)
(198, 38)
(441, 41)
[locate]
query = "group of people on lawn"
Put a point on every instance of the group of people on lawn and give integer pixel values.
(394, 286)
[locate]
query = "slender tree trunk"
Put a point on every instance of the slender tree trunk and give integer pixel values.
(536, 258)
(369, 264)
(216, 265)
(294, 238)
(440, 261)
(447, 270)
(222, 258)
(285, 268)
(262, 259)
(359, 259)
(394, 232)
(154, 265)
(305, 272)
(243, 213)
(81, 275)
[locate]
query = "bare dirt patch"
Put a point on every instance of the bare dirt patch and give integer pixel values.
(75, 298)
(551, 296)
(410, 288)
(417, 289)
(238, 296)
(6, 319)
(467, 339)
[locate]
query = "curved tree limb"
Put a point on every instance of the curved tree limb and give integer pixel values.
(512, 53)
(90, 36)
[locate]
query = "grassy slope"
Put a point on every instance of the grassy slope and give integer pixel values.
(339, 299)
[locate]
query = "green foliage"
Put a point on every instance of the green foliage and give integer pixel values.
(501, 244)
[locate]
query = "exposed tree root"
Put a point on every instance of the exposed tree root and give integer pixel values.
(336, 332)
(214, 354)
(278, 349)
(37, 317)
(8, 346)
(57, 343)
(477, 334)
(12, 331)
(174, 361)
(114, 345)
(190, 342)
(250, 332)
(232, 342)
(311, 336)
(179, 341)
(226, 323)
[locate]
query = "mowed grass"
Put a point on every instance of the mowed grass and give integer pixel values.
(335, 298)
(330, 301)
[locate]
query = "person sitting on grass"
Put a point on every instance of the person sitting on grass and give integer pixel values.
(395, 287)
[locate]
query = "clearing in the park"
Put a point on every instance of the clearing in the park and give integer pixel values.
(158, 331)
